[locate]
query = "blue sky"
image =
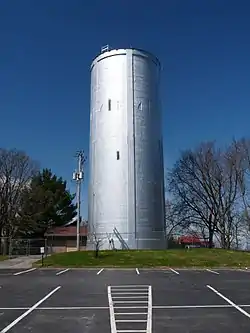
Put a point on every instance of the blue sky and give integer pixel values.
(47, 47)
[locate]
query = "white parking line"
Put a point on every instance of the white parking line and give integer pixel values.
(166, 307)
(211, 271)
(41, 308)
(131, 331)
(130, 302)
(129, 297)
(111, 312)
(155, 307)
(25, 314)
(130, 286)
(174, 271)
(137, 271)
(99, 272)
(64, 271)
(130, 313)
(130, 293)
(27, 271)
(127, 290)
(149, 316)
(229, 301)
(131, 321)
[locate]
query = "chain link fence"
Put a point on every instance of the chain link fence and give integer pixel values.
(21, 247)
(27, 247)
(113, 241)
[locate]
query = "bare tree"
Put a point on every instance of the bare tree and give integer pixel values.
(237, 232)
(231, 165)
(16, 172)
(206, 181)
(189, 183)
(96, 240)
(177, 218)
(243, 147)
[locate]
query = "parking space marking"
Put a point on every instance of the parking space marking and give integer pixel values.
(136, 314)
(137, 271)
(149, 316)
(128, 290)
(133, 286)
(132, 307)
(131, 331)
(181, 307)
(155, 307)
(24, 272)
(111, 311)
(99, 272)
(56, 308)
(129, 293)
(26, 313)
(211, 271)
(229, 301)
(131, 313)
(130, 321)
(129, 297)
(130, 302)
(174, 271)
(6, 309)
(61, 272)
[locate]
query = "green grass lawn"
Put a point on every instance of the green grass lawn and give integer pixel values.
(3, 258)
(168, 258)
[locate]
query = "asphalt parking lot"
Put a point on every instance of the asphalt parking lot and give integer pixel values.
(123, 301)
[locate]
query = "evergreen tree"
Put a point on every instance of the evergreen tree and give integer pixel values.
(46, 203)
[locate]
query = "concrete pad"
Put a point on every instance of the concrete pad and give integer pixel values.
(19, 262)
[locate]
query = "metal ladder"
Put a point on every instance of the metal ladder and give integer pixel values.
(121, 240)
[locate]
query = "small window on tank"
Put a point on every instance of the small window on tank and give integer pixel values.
(117, 155)
(109, 104)
(140, 106)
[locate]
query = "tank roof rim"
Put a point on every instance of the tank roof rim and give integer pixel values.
(150, 54)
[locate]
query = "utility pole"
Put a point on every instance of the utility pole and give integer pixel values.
(78, 177)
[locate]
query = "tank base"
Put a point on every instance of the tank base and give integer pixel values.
(136, 244)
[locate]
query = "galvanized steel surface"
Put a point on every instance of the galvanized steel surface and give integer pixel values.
(126, 188)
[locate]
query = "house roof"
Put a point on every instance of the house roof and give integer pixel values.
(66, 231)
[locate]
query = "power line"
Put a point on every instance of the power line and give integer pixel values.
(78, 176)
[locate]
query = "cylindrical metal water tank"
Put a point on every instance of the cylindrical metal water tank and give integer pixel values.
(126, 189)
